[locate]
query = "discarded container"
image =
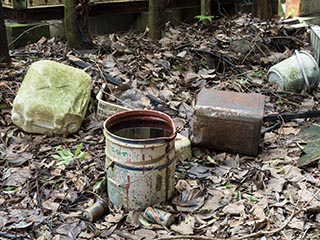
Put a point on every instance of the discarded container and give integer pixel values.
(52, 99)
(105, 108)
(315, 41)
(158, 216)
(140, 162)
(296, 73)
(228, 121)
(96, 211)
(182, 148)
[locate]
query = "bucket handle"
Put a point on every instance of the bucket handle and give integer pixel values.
(302, 70)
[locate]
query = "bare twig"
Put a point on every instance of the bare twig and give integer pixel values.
(288, 37)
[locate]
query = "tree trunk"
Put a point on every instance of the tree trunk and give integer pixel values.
(263, 9)
(156, 18)
(4, 51)
(76, 17)
(206, 8)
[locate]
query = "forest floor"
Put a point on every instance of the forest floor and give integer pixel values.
(226, 195)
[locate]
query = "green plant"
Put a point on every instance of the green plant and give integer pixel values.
(239, 196)
(202, 18)
(252, 198)
(227, 184)
(66, 157)
(10, 188)
(257, 73)
(212, 160)
(98, 185)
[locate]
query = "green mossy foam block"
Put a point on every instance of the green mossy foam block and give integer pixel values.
(53, 99)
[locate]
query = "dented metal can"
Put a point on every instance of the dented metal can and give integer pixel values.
(158, 216)
(96, 211)
(228, 121)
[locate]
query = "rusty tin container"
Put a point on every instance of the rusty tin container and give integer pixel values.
(228, 121)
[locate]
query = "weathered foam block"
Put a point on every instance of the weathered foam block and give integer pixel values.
(53, 99)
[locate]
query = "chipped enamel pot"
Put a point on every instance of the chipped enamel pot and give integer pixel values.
(140, 162)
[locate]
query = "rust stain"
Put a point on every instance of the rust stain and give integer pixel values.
(143, 159)
(127, 190)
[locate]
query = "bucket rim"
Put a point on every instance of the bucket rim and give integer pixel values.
(144, 114)
(310, 56)
(280, 79)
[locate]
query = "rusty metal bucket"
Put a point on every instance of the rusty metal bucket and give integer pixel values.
(140, 162)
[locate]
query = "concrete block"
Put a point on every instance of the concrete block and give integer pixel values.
(56, 28)
(21, 34)
(183, 148)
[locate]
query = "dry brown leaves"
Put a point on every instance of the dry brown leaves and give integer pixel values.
(222, 195)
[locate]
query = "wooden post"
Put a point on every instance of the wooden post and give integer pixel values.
(263, 9)
(4, 51)
(206, 8)
(156, 18)
(76, 17)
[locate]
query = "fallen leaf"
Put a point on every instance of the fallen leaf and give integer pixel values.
(18, 159)
(182, 54)
(189, 77)
(189, 200)
(234, 209)
(275, 184)
(296, 223)
(145, 233)
(50, 205)
(17, 176)
(69, 230)
(290, 130)
(185, 227)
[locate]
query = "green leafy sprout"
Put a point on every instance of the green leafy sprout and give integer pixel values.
(252, 198)
(66, 157)
(202, 18)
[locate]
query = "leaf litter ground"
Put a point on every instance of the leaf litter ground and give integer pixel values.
(46, 182)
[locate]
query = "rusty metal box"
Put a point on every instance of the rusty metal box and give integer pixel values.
(228, 121)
